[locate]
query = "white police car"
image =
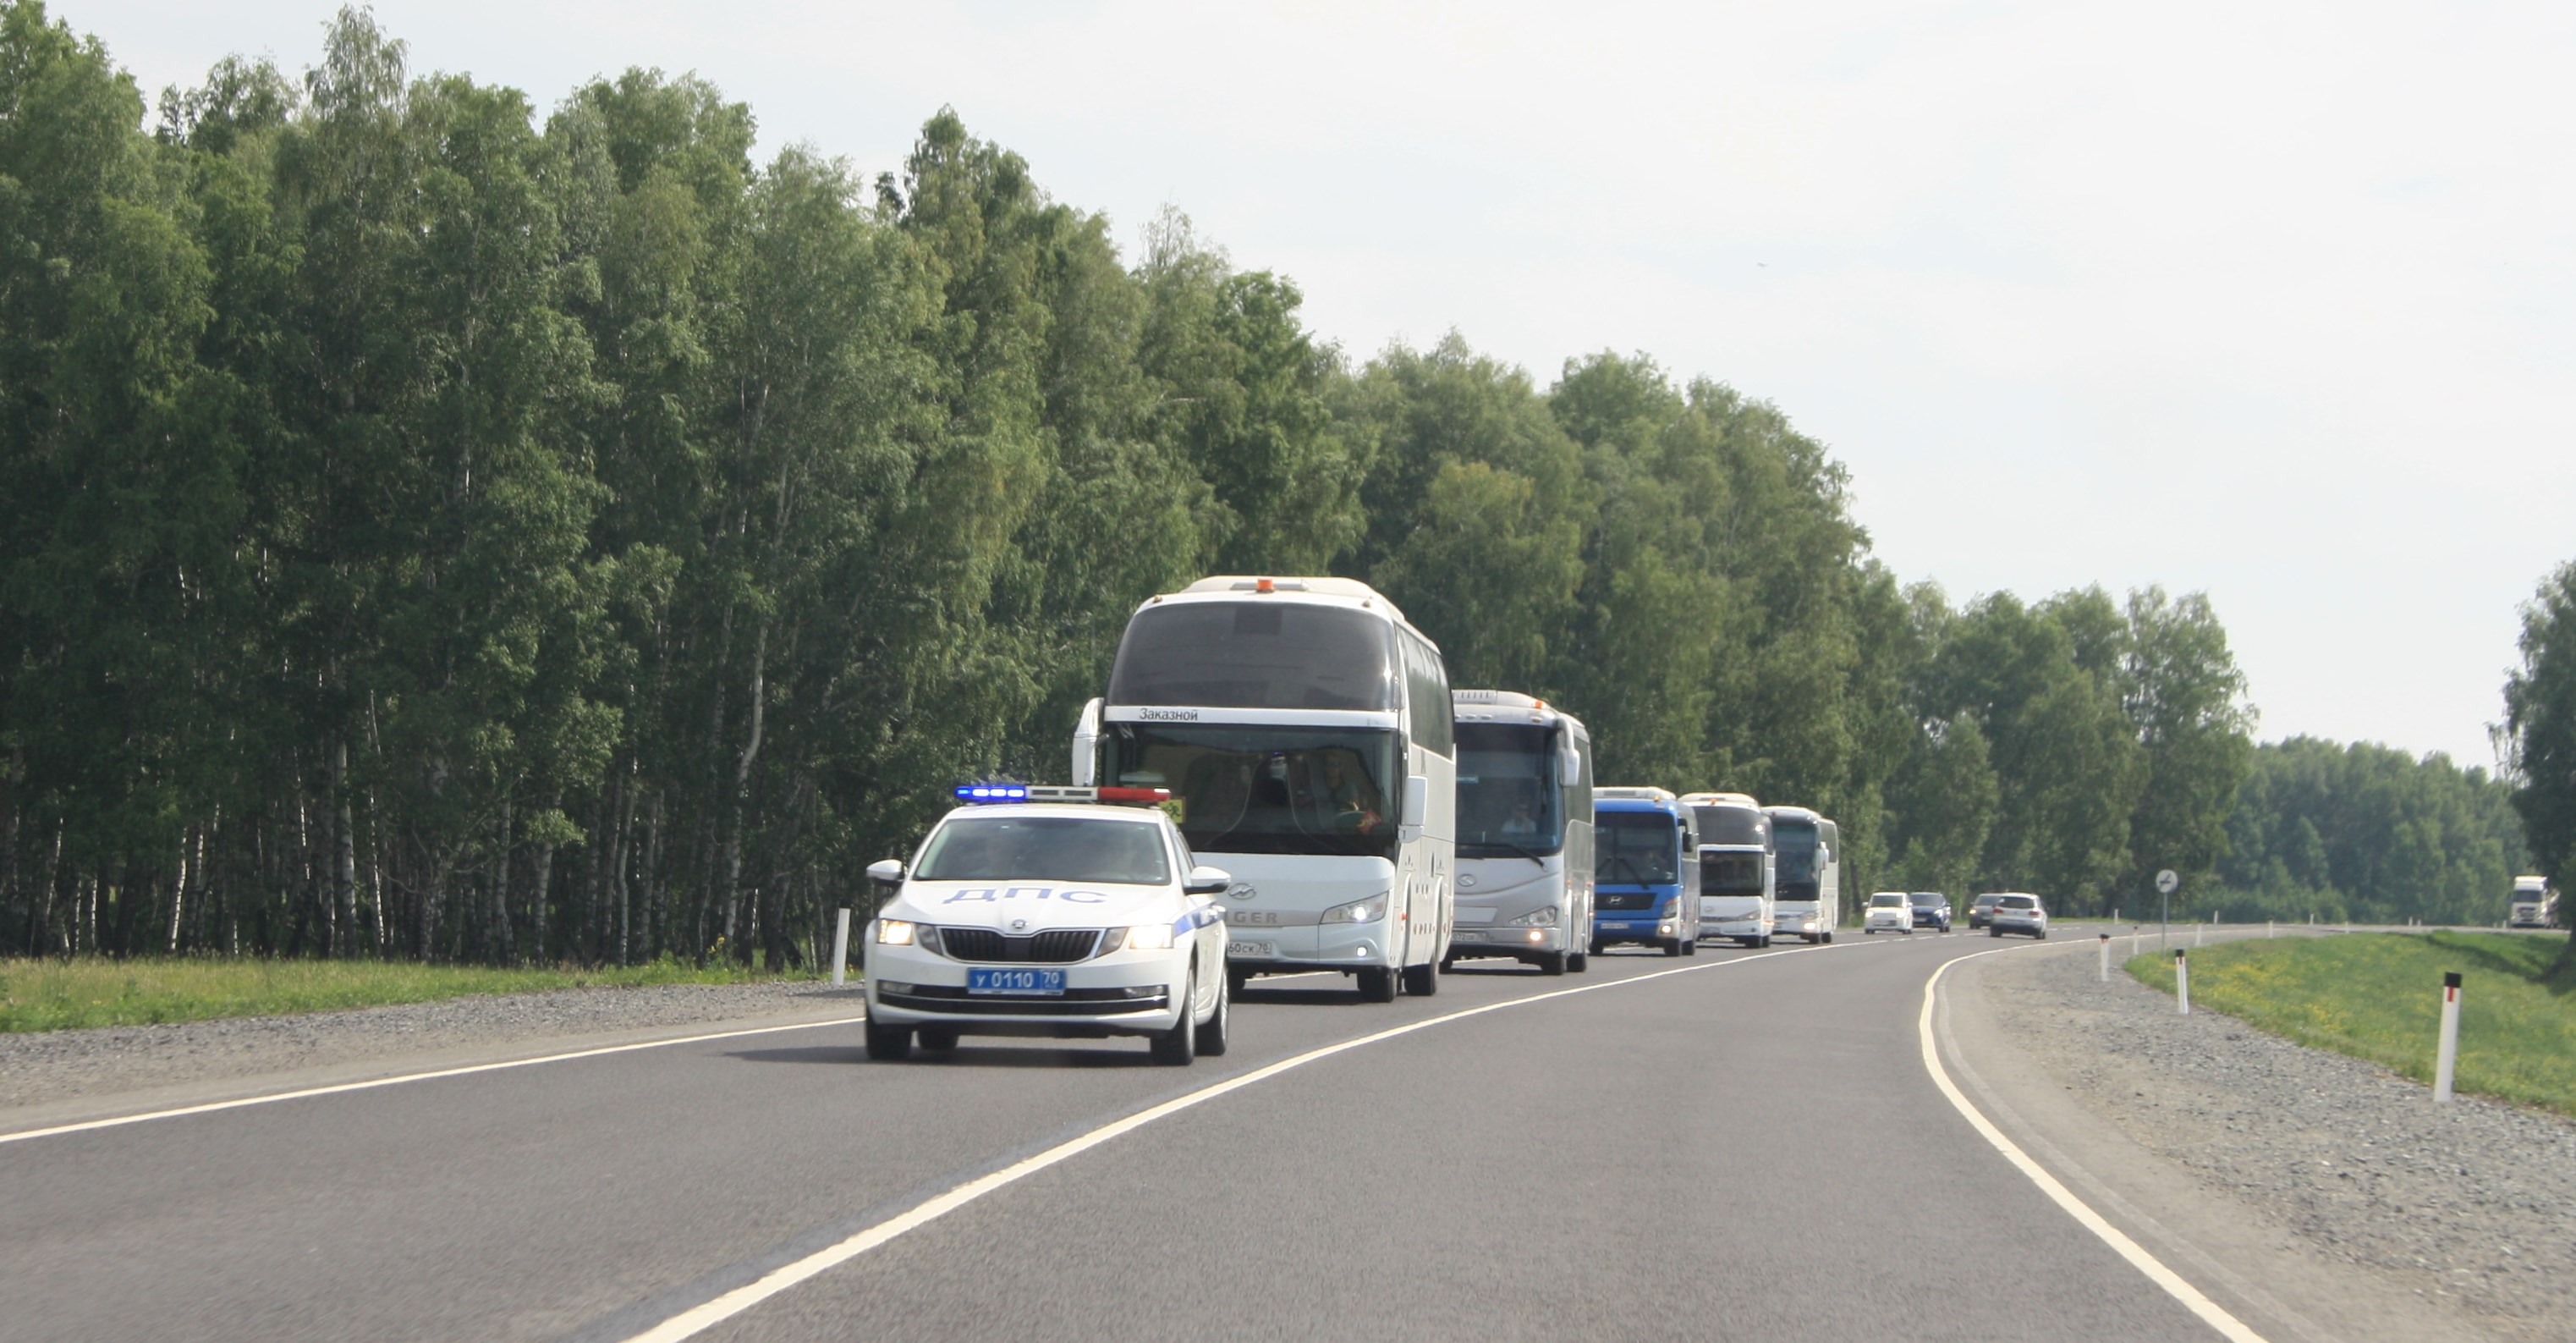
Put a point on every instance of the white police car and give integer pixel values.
(1040, 911)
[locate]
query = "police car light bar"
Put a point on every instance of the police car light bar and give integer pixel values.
(987, 794)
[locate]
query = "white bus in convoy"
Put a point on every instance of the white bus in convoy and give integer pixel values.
(1304, 730)
(1738, 877)
(1808, 849)
(2534, 904)
(1524, 832)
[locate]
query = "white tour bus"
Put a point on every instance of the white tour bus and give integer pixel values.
(1304, 730)
(1808, 850)
(1524, 832)
(1738, 875)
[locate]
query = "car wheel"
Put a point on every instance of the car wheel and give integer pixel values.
(1596, 947)
(1994, 931)
(1552, 962)
(889, 1044)
(1377, 984)
(1179, 1046)
(1218, 1029)
(1421, 981)
(2039, 934)
(937, 1038)
(1578, 961)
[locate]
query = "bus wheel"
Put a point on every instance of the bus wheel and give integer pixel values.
(1377, 984)
(1236, 979)
(1672, 946)
(1578, 961)
(1690, 946)
(1551, 962)
(1421, 981)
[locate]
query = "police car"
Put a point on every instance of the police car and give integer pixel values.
(1054, 912)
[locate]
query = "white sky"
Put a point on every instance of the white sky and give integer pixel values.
(2267, 300)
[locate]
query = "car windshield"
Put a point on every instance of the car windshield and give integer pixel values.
(1262, 654)
(1045, 848)
(1725, 873)
(1508, 797)
(1635, 848)
(1305, 790)
(1887, 901)
(1929, 901)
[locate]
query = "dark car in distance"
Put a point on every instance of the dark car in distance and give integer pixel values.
(1931, 910)
(1983, 911)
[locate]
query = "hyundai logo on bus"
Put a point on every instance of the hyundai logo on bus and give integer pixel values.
(1241, 890)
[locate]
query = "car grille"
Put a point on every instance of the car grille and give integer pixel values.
(1052, 947)
(1625, 899)
(1074, 1003)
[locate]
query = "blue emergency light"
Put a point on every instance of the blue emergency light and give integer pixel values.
(992, 792)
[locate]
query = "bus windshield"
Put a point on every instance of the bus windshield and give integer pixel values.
(1306, 790)
(1509, 804)
(1635, 848)
(1796, 843)
(1265, 654)
(1732, 825)
(1730, 873)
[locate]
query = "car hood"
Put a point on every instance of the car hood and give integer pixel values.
(1038, 904)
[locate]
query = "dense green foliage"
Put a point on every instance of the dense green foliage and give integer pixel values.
(2540, 737)
(436, 530)
(2367, 834)
(2378, 996)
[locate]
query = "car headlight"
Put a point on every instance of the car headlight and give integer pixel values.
(1542, 918)
(1358, 911)
(1142, 937)
(896, 933)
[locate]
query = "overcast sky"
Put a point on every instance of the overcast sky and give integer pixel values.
(2271, 301)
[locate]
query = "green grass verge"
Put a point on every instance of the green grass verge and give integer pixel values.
(2378, 996)
(53, 995)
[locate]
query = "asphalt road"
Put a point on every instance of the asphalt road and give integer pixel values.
(1748, 1149)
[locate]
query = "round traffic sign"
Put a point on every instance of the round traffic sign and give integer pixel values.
(2166, 882)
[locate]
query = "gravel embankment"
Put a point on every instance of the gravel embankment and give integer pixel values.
(47, 1066)
(2472, 1203)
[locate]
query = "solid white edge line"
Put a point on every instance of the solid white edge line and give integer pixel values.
(716, 1310)
(2210, 1312)
(337, 1088)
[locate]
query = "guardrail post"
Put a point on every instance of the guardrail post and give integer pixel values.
(2182, 984)
(2103, 972)
(841, 948)
(2446, 1060)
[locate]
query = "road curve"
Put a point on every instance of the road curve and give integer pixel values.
(1751, 1148)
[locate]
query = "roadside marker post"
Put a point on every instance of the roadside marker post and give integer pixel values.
(2104, 970)
(2446, 1062)
(841, 948)
(2182, 984)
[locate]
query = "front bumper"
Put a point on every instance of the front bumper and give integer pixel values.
(1270, 948)
(1611, 932)
(1739, 928)
(2021, 926)
(1495, 941)
(1876, 924)
(1124, 993)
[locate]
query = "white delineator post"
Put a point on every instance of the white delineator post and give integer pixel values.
(2103, 972)
(2446, 1061)
(841, 948)
(2182, 984)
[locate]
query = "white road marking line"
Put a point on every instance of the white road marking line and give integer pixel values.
(2210, 1312)
(272, 1098)
(717, 1310)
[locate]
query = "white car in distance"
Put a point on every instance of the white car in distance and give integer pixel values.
(1889, 912)
(1050, 912)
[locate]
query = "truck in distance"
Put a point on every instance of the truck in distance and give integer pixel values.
(2534, 904)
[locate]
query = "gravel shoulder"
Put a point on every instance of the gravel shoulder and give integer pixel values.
(2331, 1197)
(61, 1076)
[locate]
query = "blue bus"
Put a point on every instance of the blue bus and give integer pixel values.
(1645, 849)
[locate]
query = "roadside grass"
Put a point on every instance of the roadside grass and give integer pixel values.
(53, 995)
(2378, 996)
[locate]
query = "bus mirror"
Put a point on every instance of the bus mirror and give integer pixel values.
(1417, 802)
(1569, 769)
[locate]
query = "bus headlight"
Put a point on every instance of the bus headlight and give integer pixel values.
(895, 933)
(1358, 911)
(1543, 918)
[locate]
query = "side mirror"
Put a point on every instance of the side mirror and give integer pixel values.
(1206, 880)
(1569, 769)
(886, 871)
(1417, 802)
(1086, 745)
